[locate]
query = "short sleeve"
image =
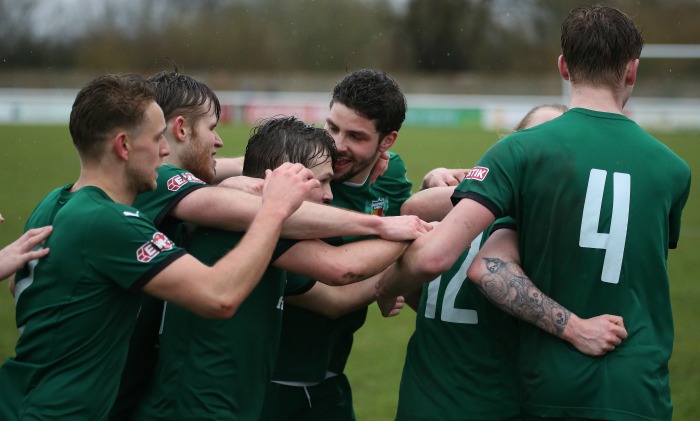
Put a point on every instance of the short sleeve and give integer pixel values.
(173, 185)
(675, 216)
(493, 181)
(128, 249)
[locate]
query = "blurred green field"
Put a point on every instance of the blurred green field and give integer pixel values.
(36, 159)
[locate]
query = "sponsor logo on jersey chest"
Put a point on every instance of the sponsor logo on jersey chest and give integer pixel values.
(376, 207)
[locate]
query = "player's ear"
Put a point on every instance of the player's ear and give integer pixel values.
(563, 68)
(180, 128)
(121, 145)
(631, 72)
(388, 141)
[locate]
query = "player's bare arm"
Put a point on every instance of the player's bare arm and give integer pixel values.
(228, 167)
(443, 177)
(430, 205)
(496, 271)
(220, 289)
(507, 286)
(413, 298)
(434, 252)
(337, 301)
(252, 185)
(340, 265)
(234, 210)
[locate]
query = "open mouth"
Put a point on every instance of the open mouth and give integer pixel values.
(341, 163)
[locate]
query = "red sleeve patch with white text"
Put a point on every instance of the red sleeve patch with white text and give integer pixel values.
(477, 173)
(151, 249)
(177, 181)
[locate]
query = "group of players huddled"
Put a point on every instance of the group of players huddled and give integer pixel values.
(165, 284)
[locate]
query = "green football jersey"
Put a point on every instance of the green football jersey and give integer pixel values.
(172, 185)
(313, 344)
(383, 198)
(461, 359)
(76, 308)
(218, 369)
(598, 203)
(304, 353)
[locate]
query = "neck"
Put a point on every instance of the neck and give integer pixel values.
(117, 189)
(361, 177)
(172, 160)
(597, 99)
(177, 150)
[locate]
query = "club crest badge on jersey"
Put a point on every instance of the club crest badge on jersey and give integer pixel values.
(160, 242)
(176, 182)
(477, 173)
(376, 207)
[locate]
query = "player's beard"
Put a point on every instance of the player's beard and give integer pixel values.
(138, 183)
(354, 168)
(199, 160)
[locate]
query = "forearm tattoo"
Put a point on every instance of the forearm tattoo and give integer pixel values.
(511, 290)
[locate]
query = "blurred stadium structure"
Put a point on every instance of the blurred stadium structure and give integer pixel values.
(463, 63)
(491, 112)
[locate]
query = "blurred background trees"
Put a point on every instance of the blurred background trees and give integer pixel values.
(289, 44)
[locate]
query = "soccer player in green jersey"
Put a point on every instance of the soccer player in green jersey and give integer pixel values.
(208, 369)
(597, 202)
(441, 381)
(76, 307)
(366, 112)
(183, 193)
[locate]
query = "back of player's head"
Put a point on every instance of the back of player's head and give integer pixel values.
(375, 96)
(540, 114)
(278, 140)
(597, 43)
(107, 103)
(178, 94)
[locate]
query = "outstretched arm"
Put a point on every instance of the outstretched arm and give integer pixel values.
(496, 271)
(413, 299)
(228, 167)
(252, 185)
(337, 301)
(234, 210)
(218, 291)
(429, 205)
(443, 177)
(340, 265)
(434, 252)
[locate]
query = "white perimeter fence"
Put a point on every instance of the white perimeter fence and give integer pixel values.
(492, 112)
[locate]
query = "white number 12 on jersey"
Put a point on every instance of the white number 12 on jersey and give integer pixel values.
(614, 242)
(449, 312)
